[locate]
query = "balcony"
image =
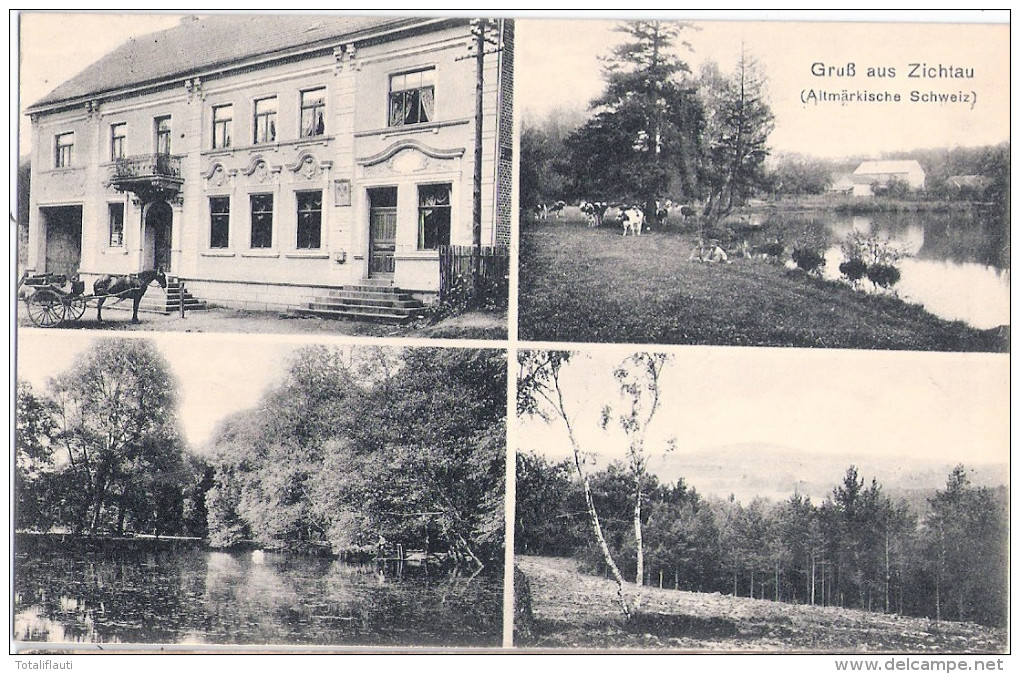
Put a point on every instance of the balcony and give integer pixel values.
(150, 176)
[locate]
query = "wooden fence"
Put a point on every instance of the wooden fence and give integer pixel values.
(457, 262)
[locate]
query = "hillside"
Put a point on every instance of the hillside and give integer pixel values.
(777, 472)
(572, 610)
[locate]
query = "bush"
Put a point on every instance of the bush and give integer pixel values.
(494, 296)
(809, 260)
(883, 275)
(854, 269)
(870, 249)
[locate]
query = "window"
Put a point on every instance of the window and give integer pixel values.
(162, 126)
(261, 221)
(412, 97)
(219, 222)
(265, 120)
(313, 112)
(222, 125)
(309, 219)
(64, 150)
(433, 216)
(116, 225)
(118, 136)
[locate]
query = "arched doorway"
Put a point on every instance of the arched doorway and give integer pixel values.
(159, 219)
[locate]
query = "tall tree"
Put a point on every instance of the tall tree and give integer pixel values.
(540, 393)
(738, 123)
(34, 428)
(638, 378)
(645, 130)
(116, 414)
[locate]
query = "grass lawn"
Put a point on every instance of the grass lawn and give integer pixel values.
(574, 610)
(593, 285)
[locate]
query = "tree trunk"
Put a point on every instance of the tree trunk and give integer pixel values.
(640, 575)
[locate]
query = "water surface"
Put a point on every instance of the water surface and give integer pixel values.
(195, 596)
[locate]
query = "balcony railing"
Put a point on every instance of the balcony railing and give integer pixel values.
(141, 167)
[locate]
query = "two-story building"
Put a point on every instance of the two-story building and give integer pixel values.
(265, 158)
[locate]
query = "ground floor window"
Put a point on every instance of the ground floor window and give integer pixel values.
(433, 216)
(219, 222)
(261, 221)
(309, 219)
(116, 225)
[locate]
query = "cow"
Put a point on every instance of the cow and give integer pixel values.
(541, 212)
(556, 209)
(633, 219)
(594, 212)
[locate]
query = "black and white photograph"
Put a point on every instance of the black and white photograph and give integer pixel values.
(755, 500)
(167, 492)
(509, 333)
(814, 184)
(350, 174)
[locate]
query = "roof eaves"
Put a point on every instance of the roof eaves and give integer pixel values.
(218, 68)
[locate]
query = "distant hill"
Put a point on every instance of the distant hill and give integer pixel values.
(776, 472)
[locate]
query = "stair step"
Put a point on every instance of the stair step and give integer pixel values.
(358, 313)
(368, 301)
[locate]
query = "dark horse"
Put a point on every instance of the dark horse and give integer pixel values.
(133, 286)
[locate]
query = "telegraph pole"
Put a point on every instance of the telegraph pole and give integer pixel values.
(476, 229)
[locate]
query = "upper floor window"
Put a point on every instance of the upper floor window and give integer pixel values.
(118, 136)
(223, 125)
(265, 120)
(412, 97)
(162, 128)
(64, 150)
(313, 112)
(116, 225)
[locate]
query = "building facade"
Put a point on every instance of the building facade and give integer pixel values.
(871, 174)
(264, 158)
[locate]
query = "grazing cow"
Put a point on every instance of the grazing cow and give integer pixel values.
(662, 211)
(594, 211)
(687, 211)
(541, 212)
(557, 209)
(633, 219)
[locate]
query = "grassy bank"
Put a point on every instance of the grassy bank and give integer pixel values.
(592, 285)
(572, 610)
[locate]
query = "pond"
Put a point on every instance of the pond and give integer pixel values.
(955, 264)
(194, 596)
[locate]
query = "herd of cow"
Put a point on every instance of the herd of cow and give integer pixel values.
(631, 217)
(633, 221)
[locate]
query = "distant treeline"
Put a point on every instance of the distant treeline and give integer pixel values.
(856, 549)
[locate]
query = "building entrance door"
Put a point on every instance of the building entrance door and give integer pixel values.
(382, 231)
(159, 218)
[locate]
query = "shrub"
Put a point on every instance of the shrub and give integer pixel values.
(809, 260)
(883, 275)
(870, 249)
(854, 269)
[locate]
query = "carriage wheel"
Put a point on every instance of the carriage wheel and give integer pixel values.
(74, 308)
(46, 308)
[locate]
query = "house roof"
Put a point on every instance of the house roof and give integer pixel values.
(889, 166)
(200, 44)
(977, 181)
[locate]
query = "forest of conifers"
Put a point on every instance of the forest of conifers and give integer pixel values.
(350, 447)
(944, 558)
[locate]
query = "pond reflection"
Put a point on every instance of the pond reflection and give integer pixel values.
(193, 596)
(956, 264)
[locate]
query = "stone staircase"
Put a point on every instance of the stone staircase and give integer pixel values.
(370, 299)
(159, 301)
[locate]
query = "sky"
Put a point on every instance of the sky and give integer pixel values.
(557, 66)
(218, 374)
(944, 408)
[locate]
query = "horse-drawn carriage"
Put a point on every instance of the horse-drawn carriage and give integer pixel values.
(52, 299)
